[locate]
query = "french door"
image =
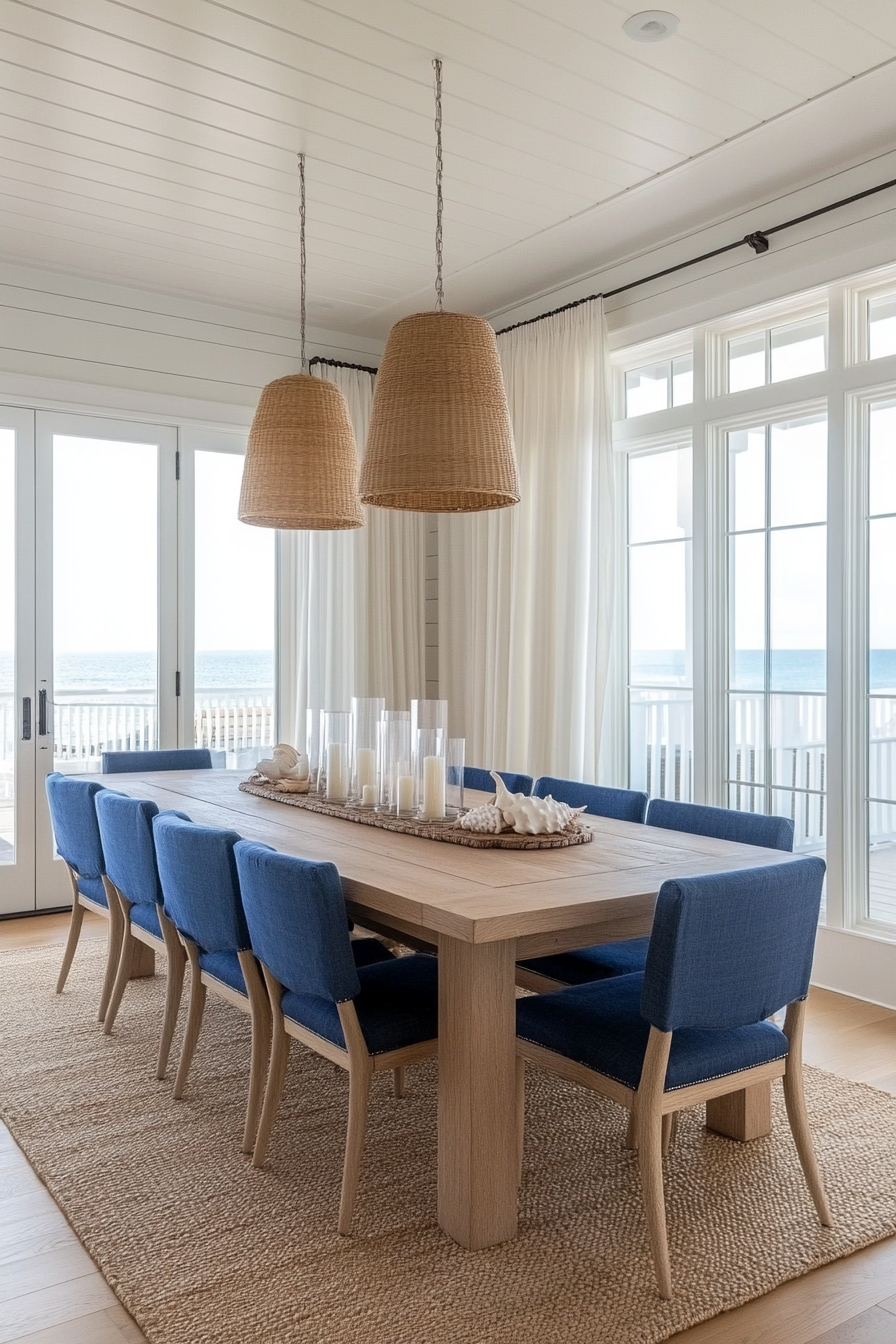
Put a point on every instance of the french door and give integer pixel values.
(88, 618)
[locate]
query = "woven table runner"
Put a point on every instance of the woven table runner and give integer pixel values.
(452, 835)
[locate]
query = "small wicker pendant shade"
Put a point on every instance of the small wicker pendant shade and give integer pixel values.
(440, 439)
(301, 466)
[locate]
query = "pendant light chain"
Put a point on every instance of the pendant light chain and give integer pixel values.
(301, 158)
(437, 66)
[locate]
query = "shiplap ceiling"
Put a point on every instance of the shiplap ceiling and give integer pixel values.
(154, 142)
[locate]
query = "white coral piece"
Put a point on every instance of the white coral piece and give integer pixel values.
(533, 816)
(487, 819)
(286, 763)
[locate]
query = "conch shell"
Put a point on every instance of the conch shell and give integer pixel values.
(286, 763)
(487, 819)
(533, 816)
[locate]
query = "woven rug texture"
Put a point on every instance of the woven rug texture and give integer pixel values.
(202, 1249)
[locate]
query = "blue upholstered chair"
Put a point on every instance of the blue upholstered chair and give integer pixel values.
(73, 814)
(628, 955)
(620, 804)
(132, 883)
(201, 894)
(132, 762)
(364, 1018)
(726, 952)
(474, 778)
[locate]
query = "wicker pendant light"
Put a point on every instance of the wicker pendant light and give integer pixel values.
(440, 439)
(301, 468)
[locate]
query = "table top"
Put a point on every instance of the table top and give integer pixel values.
(544, 898)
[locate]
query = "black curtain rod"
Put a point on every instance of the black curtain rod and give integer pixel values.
(757, 241)
(340, 364)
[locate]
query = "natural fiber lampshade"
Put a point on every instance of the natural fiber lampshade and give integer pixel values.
(301, 466)
(440, 439)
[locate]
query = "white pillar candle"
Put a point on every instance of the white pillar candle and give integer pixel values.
(365, 767)
(368, 795)
(405, 793)
(433, 787)
(337, 785)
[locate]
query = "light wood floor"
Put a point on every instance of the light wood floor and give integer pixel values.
(51, 1293)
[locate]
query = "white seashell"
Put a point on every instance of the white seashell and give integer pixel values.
(488, 819)
(533, 816)
(270, 769)
(292, 785)
(286, 763)
(285, 754)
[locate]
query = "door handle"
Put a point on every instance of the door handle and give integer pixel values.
(41, 713)
(26, 718)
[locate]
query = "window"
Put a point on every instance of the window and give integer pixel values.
(881, 525)
(882, 326)
(656, 387)
(661, 695)
(777, 548)
(777, 354)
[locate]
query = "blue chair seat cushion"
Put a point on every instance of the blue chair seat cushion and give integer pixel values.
(93, 889)
(397, 1005)
(592, 963)
(368, 951)
(224, 966)
(600, 1025)
(146, 915)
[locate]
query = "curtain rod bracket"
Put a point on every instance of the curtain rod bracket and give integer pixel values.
(758, 242)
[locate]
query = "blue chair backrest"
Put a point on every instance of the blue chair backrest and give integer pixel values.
(723, 823)
(730, 949)
(474, 778)
(73, 814)
(131, 762)
(126, 833)
(620, 804)
(200, 885)
(296, 914)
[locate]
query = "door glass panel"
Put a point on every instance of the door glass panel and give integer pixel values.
(9, 729)
(105, 599)
(235, 618)
(747, 582)
(799, 477)
(881, 458)
(882, 862)
(660, 496)
(746, 476)
(798, 609)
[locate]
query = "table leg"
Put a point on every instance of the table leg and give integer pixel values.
(477, 1092)
(742, 1115)
(144, 962)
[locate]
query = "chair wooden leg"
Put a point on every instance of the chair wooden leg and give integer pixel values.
(71, 942)
(177, 965)
(398, 1081)
(260, 1008)
(647, 1110)
(198, 994)
(123, 975)
(795, 1101)
(358, 1092)
(670, 1129)
(274, 1089)
(113, 947)
(520, 1115)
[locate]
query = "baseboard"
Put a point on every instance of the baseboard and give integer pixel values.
(857, 964)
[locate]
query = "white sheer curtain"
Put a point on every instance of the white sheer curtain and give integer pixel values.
(526, 594)
(359, 595)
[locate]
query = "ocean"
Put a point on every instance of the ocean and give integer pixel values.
(791, 669)
(102, 673)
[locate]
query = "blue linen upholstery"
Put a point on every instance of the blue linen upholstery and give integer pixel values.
(72, 804)
(621, 804)
(724, 823)
(475, 778)
(131, 762)
(727, 950)
(296, 914)
(224, 966)
(368, 951)
(397, 1005)
(600, 1025)
(147, 917)
(200, 883)
(592, 963)
(126, 832)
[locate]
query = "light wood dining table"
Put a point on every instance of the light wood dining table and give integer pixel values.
(483, 910)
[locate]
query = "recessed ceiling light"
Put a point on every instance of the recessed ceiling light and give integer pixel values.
(651, 25)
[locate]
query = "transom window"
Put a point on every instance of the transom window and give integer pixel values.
(777, 354)
(657, 387)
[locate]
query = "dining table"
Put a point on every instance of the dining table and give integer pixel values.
(482, 910)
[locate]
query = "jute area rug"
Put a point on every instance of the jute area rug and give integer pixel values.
(202, 1249)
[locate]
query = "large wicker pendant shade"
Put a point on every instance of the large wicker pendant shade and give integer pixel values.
(301, 466)
(440, 439)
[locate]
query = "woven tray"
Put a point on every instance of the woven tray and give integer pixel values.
(426, 830)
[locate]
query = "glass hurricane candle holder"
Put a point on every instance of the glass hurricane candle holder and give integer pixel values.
(454, 775)
(334, 776)
(431, 744)
(397, 784)
(428, 714)
(366, 713)
(314, 719)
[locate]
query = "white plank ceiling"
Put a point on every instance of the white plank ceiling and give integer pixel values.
(153, 143)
